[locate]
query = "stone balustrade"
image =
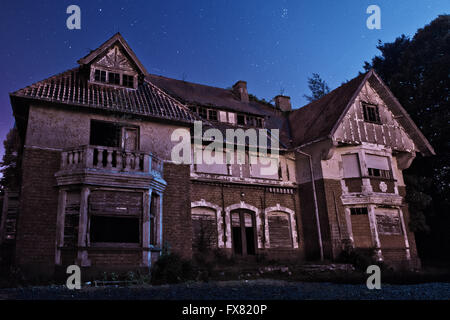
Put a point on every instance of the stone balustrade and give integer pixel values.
(109, 158)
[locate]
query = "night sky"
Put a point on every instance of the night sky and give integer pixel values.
(273, 45)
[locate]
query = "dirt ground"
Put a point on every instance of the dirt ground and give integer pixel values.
(262, 289)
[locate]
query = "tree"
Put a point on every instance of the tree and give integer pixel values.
(11, 161)
(417, 72)
(318, 88)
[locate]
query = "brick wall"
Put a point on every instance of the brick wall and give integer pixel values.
(177, 226)
(36, 228)
(257, 196)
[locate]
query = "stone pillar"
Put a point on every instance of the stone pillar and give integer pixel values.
(62, 197)
(146, 253)
(405, 235)
(82, 257)
(374, 231)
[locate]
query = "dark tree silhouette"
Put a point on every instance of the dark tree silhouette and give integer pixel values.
(10, 165)
(318, 88)
(417, 72)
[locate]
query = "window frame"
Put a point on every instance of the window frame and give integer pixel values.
(367, 108)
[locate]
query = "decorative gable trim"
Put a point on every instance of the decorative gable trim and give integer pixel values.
(114, 40)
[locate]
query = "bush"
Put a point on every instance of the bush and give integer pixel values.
(360, 258)
(171, 268)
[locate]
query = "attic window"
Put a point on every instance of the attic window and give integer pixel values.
(202, 112)
(100, 75)
(114, 78)
(371, 113)
(128, 81)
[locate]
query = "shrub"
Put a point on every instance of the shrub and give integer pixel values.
(171, 268)
(360, 258)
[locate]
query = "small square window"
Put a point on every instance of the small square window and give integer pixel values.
(100, 76)
(212, 115)
(241, 119)
(128, 81)
(114, 78)
(259, 122)
(371, 113)
(202, 112)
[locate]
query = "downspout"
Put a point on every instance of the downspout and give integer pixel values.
(316, 208)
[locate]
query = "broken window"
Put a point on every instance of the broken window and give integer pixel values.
(105, 134)
(114, 216)
(241, 119)
(114, 229)
(371, 113)
(378, 166)
(350, 163)
(114, 78)
(100, 75)
(112, 134)
(128, 81)
(358, 211)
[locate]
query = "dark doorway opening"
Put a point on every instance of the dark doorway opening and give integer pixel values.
(243, 232)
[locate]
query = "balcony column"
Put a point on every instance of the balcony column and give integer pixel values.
(146, 253)
(88, 157)
(405, 235)
(374, 231)
(82, 257)
(62, 197)
(159, 221)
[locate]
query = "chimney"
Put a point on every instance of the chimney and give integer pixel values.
(240, 89)
(283, 103)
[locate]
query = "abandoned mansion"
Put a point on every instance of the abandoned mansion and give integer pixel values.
(99, 187)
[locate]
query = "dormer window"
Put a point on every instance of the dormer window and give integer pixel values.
(128, 81)
(100, 75)
(114, 78)
(371, 113)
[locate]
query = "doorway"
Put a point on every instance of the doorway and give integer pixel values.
(243, 232)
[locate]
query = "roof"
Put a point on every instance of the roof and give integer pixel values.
(72, 88)
(199, 94)
(320, 119)
(317, 119)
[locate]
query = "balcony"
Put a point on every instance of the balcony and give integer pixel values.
(109, 166)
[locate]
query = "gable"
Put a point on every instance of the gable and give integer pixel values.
(353, 129)
(115, 59)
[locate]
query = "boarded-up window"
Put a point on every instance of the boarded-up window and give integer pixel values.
(377, 162)
(115, 202)
(350, 163)
(204, 228)
(388, 221)
(279, 230)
